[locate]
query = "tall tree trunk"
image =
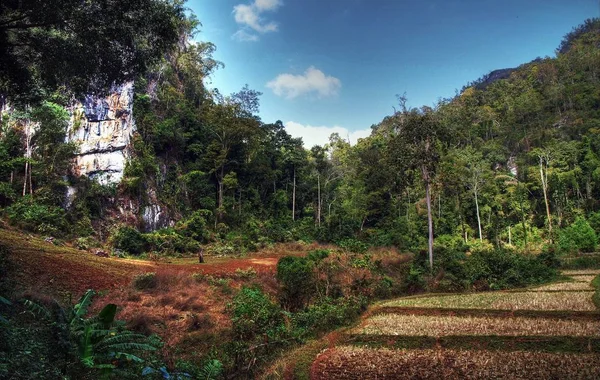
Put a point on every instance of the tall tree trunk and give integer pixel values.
(220, 196)
(294, 197)
(544, 178)
(478, 216)
(523, 220)
(25, 179)
(27, 156)
(319, 199)
(429, 216)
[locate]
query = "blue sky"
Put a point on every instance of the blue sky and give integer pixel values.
(328, 66)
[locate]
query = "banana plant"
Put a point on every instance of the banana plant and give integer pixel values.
(101, 341)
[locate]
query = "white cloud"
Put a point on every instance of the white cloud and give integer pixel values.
(248, 16)
(313, 80)
(267, 5)
(312, 135)
(242, 35)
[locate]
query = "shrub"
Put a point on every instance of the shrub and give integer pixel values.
(496, 269)
(317, 255)
(145, 281)
(452, 242)
(504, 269)
(328, 314)
(582, 262)
(195, 226)
(253, 315)
(129, 240)
(478, 246)
(384, 288)
(86, 243)
(245, 274)
(168, 241)
(353, 245)
(297, 279)
(31, 215)
(415, 281)
(549, 257)
(596, 296)
(578, 237)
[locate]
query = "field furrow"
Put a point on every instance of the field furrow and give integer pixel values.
(570, 301)
(348, 362)
(437, 326)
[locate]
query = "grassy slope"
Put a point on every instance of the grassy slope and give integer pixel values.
(188, 312)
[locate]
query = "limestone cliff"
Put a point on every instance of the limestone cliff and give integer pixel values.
(102, 127)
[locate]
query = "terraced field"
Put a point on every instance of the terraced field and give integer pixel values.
(552, 331)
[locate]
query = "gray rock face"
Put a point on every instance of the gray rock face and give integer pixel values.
(512, 166)
(153, 215)
(103, 127)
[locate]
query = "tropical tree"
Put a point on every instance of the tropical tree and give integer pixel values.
(48, 44)
(417, 145)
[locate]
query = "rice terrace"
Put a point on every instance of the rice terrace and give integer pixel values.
(546, 332)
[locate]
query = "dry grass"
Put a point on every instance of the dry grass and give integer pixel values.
(564, 286)
(437, 326)
(362, 363)
(577, 272)
(574, 301)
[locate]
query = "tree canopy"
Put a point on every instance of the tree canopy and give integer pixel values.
(81, 46)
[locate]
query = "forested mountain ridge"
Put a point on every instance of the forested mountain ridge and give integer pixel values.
(506, 160)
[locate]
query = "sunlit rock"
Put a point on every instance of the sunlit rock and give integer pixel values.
(102, 127)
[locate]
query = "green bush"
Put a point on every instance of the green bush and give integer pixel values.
(328, 314)
(415, 281)
(497, 269)
(317, 255)
(296, 277)
(169, 241)
(253, 315)
(594, 221)
(582, 262)
(596, 296)
(451, 242)
(145, 281)
(501, 269)
(86, 243)
(195, 226)
(353, 245)
(578, 237)
(129, 240)
(31, 215)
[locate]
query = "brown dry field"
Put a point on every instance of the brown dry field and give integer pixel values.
(560, 315)
(348, 362)
(437, 326)
(188, 313)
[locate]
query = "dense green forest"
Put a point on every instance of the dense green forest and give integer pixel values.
(509, 162)
(508, 167)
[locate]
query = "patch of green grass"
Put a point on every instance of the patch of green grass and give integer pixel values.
(596, 296)
(596, 282)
